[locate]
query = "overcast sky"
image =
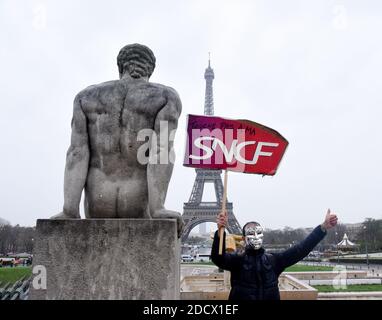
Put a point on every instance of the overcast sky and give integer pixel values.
(309, 69)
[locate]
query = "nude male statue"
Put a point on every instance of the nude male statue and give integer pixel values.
(102, 157)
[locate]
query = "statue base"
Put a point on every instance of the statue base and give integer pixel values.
(129, 259)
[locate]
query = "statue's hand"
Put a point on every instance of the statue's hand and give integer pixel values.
(64, 215)
(168, 214)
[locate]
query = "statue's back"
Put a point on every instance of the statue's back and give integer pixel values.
(103, 155)
(116, 111)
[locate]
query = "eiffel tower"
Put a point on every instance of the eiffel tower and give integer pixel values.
(195, 211)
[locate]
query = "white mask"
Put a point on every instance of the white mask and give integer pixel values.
(254, 236)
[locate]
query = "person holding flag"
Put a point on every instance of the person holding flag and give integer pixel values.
(255, 273)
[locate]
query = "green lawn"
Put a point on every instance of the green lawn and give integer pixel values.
(13, 274)
(350, 288)
(302, 268)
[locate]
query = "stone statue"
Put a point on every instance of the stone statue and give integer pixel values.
(103, 157)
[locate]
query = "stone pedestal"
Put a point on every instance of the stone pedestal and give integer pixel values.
(108, 259)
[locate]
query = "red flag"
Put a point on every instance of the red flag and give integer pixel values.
(235, 145)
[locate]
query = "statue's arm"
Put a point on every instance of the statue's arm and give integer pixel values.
(162, 156)
(77, 163)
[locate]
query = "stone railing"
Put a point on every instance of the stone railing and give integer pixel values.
(17, 291)
(215, 286)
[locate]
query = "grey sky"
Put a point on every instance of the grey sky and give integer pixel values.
(309, 69)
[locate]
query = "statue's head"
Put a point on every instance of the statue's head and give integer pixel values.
(137, 60)
(253, 235)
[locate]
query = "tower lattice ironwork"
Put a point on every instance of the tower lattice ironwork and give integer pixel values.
(197, 211)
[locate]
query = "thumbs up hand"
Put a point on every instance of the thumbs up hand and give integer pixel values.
(330, 220)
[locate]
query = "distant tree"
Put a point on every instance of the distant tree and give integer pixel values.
(287, 236)
(16, 239)
(195, 240)
(371, 233)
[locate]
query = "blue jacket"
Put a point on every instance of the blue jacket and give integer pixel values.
(254, 273)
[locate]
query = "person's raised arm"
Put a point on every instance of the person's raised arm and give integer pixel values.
(301, 250)
(77, 163)
(162, 158)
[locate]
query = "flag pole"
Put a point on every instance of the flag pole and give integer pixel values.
(221, 230)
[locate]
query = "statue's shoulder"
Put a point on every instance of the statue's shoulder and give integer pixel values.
(169, 92)
(96, 89)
